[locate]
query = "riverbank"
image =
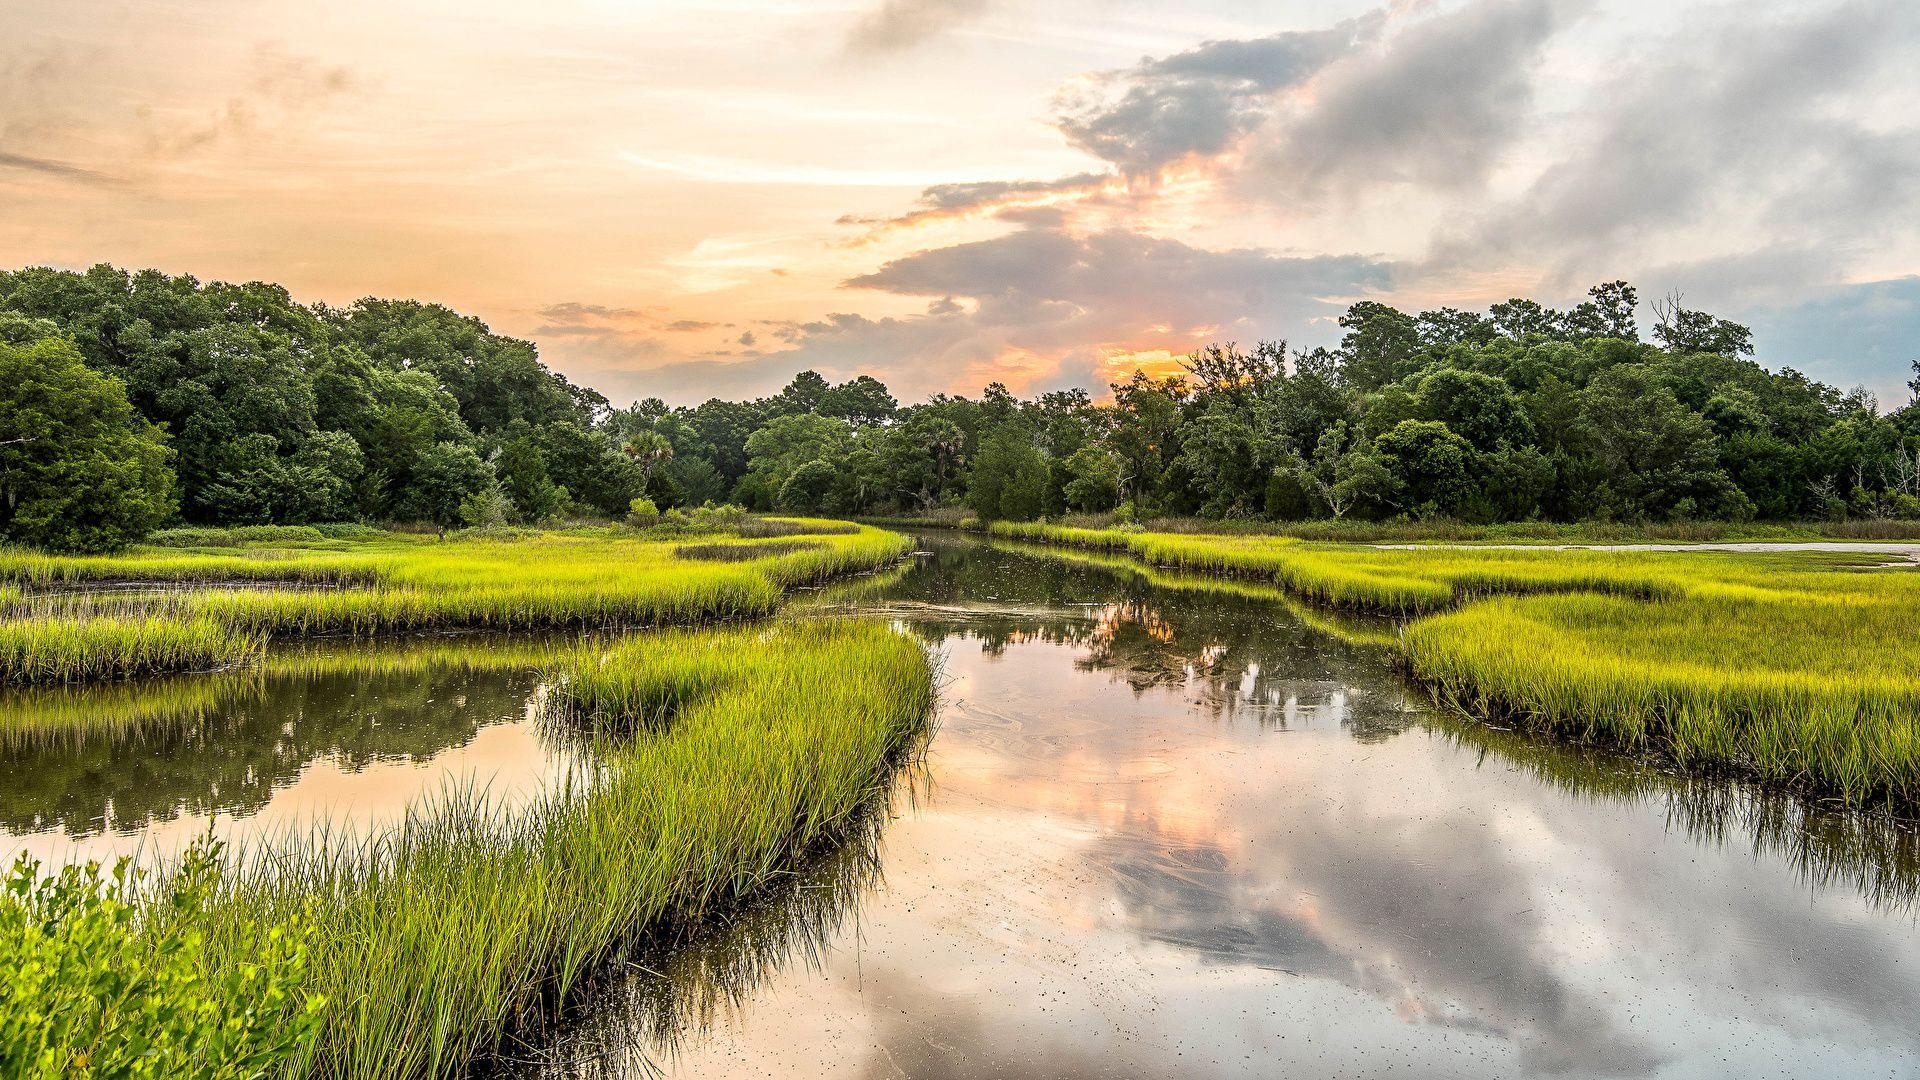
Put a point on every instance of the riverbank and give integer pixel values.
(1794, 669)
(1460, 532)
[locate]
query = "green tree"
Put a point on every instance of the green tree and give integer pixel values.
(1609, 312)
(1346, 472)
(1380, 344)
(1232, 442)
(1523, 319)
(1010, 477)
(861, 401)
(1481, 409)
(809, 488)
(1659, 456)
(1148, 414)
(1093, 479)
(780, 448)
(79, 469)
(443, 480)
(1679, 330)
(1430, 467)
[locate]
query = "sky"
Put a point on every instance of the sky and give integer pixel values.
(694, 198)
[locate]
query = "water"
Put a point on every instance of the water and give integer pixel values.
(1178, 832)
(342, 735)
(1163, 829)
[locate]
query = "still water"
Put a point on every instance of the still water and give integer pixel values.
(338, 735)
(1164, 828)
(1170, 831)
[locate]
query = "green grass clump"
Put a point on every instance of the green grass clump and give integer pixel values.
(61, 650)
(589, 579)
(1367, 578)
(1816, 694)
(189, 536)
(756, 744)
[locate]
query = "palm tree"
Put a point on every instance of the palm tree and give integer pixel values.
(648, 449)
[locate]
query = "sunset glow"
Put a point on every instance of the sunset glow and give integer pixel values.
(695, 198)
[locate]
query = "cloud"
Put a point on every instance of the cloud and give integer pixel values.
(1050, 309)
(1866, 334)
(1011, 200)
(1786, 138)
(58, 170)
(1043, 276)
(1200, 101)
(572, 311)
(1436, 105)
(280, 89)
(688, 326)
(898, 25)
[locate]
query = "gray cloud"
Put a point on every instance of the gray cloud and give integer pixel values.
(1780, 134)
(1866, 333)
(1436, 105)
(1123, 279)
(59, 170)
(898, 25)
(1060, 300)
(949, 200)
(986, 192)
(1200, 101)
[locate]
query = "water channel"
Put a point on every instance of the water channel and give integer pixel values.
(1164, 827)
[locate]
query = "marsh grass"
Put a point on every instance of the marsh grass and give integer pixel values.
(751, 746)
(1800, 670)
(1382, 580)
(648, 1002)
(740, 552)
(74, 713)
(65, 650)
(1818, 695)
(594, 579)
(1444, 530)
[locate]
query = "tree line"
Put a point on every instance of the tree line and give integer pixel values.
(129, 400)
(1520, 413)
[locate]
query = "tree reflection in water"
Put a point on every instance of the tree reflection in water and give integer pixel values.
(125, 757)
(1237, 655)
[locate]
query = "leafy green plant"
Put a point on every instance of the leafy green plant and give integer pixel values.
(102, 979)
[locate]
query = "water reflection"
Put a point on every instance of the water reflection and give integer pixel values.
(1177, 830)
(647, 1004)
(313, 728)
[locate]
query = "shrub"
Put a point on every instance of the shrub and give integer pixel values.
(201, 536)
(642, 513)
(99, 980)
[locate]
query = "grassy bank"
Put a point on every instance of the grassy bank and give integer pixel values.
(1797, 669)
(722, 755)
(589, 579)
(66, 649)
(1375, 579)
(1349, 531)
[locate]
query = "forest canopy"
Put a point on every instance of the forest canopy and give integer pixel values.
(224, 404)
